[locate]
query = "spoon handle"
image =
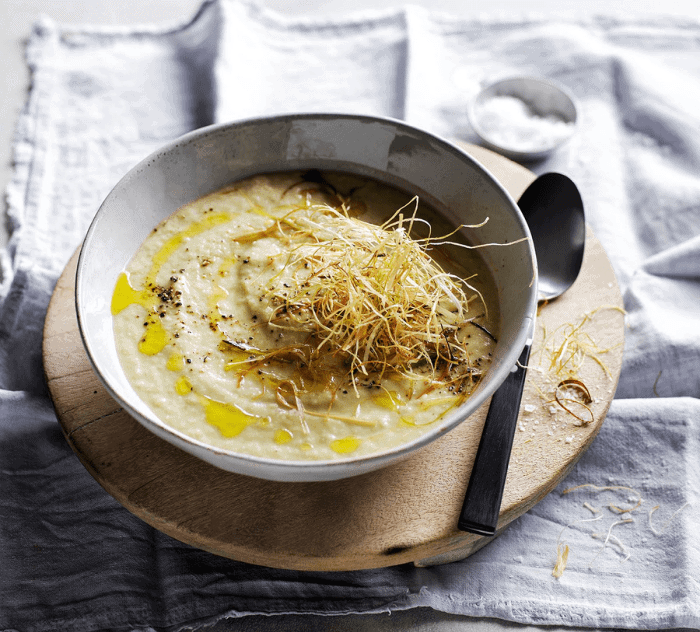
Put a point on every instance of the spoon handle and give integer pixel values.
(482, 502)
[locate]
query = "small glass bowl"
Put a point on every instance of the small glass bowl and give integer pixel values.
(524, 118)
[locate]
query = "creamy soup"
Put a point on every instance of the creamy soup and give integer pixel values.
(304, 316)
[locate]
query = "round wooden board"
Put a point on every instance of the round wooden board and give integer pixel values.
(403, 513)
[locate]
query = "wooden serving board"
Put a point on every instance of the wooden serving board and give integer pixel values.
(403, 513)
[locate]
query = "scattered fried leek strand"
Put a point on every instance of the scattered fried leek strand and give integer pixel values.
(567, 348)
(658, 532)
(374, 298)
(568, 353)
(563, 549)
(288, 390)
(583, 402)
(610, 537)
(562, 557)
(598, 488)
(615, 540)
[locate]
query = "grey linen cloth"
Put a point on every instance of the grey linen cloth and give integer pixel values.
(71, 558)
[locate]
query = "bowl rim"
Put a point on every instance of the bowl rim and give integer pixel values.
(283, 469)
(519, 154)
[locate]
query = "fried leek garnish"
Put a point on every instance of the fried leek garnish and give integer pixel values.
(571, 344)
(371, 299)
(563, 549)
(615, 488)
(608, 537)
(562, 558)
(663, 528)
(563, 396)
(562, 355)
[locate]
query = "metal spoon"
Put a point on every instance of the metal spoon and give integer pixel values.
(553, 209)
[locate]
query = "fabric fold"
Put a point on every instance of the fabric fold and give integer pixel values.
(269, 66)
(678, 262)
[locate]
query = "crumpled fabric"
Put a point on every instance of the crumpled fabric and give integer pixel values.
(71, 558)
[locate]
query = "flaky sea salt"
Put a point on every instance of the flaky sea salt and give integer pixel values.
(509, 122)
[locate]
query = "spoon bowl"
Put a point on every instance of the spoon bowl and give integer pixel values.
(553, 209)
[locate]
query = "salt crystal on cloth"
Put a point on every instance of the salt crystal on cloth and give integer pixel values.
(71, 558)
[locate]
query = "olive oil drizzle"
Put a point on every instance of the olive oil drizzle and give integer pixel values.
(170, 246)
(228, 418)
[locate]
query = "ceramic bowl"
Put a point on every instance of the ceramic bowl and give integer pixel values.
(524, 118)
(212, 157)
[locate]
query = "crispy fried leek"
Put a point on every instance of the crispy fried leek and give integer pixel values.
(372, 298)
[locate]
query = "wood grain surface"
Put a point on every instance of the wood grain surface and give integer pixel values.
(403, 513)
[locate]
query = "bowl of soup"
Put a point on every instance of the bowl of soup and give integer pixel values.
(305, 297)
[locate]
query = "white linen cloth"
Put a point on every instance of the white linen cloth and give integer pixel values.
(72, 558)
